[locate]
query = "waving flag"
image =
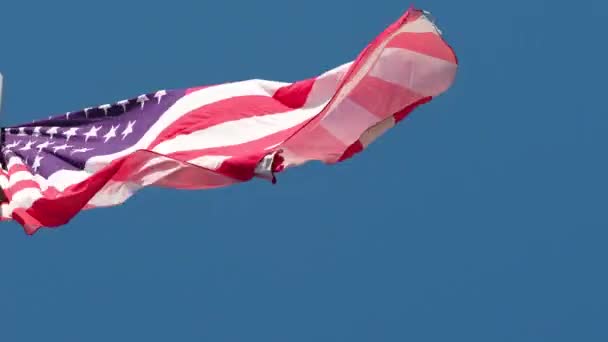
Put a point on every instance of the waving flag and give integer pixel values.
(214, 136)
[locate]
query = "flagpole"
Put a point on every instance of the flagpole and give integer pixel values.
(1, 79)
(3, 197)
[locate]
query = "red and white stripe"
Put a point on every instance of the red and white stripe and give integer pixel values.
(229, 133)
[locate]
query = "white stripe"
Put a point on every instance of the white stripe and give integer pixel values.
(5, 210)
(209, 162)
(377, 130)
(64, 178)
(19, 176)
(21, 199)
(348, 121)
(154, 170)
(156, 176)
(14, 161)
(154, 162)
(114, 193)
(425, 75)
(236, 132)
(25, 176)
(326, 85)
(420, 25)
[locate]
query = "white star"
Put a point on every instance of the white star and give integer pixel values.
(105, 108)
(21, 132)
(27, 146)
(67, 115)
(13, 145)
(128, 130)
(52, 131)
(37, 131)
(86, 112)
(44, 145)
(70, 133)
(141, 99)
(37, 161)
(91, 133)
(111, 133)
(81, 150)
(123, 103)
(61, 147)
(159, 94)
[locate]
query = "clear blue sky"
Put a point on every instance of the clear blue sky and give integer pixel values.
(483, 217)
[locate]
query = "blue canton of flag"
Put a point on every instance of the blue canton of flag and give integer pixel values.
(67, 141)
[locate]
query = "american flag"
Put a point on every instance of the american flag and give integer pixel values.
(215, 136)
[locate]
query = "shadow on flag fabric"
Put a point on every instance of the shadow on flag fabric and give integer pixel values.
(216, 136)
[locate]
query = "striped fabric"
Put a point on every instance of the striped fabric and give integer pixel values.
(215, 136)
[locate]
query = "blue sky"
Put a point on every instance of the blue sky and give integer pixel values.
(482, 217)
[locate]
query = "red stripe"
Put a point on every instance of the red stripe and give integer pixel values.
(295, 94)
(215, 113)
(17, 168)
(353, 149)
(192, 177)
(319, 143)
(411, 15)
(21, 185)
(380, 97)
(51, 192)
(238, 150)
(400, 115)
(241, 168)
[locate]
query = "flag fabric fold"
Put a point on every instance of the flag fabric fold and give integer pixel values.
(216, 136)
